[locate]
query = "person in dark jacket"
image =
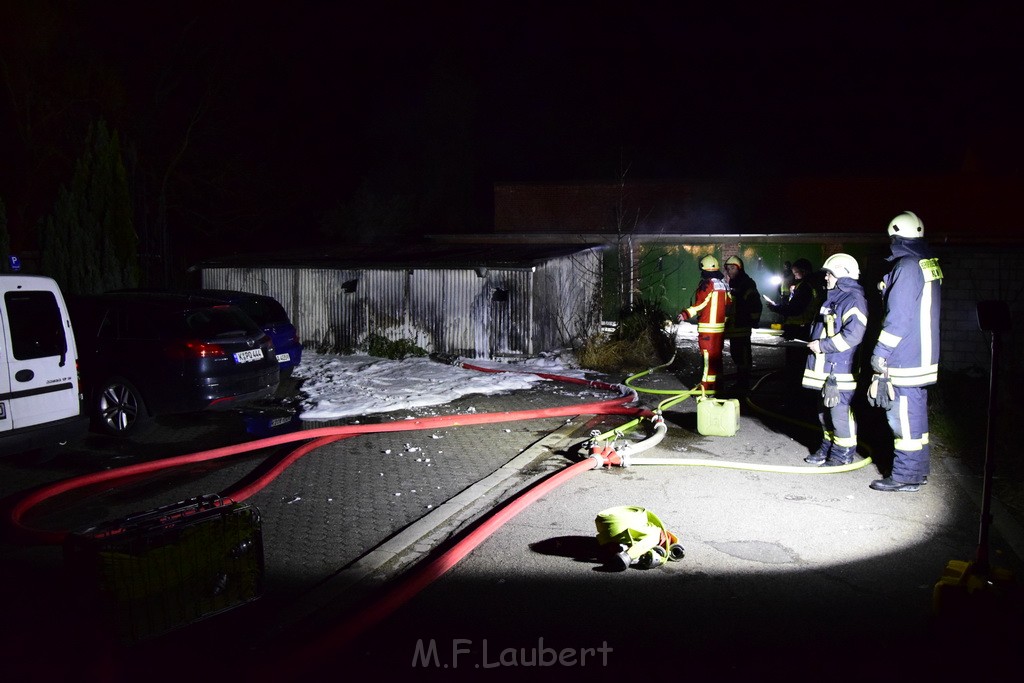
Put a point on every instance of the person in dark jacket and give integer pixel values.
(798, 312)
(831, 365)
(786, 286)
(907, 351)
(742, 319)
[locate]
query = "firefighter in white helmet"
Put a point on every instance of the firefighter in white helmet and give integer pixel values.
(907, 352)
(710, 301)
(831, 365)
(744, 316)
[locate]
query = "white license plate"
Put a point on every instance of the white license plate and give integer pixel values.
(283, 358)
(248, 356)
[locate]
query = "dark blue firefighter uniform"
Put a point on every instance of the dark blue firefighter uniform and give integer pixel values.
(839, 330)
(909, 342)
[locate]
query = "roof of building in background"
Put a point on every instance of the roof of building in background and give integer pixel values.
(961, 207)
(537, 222)
(410, 255)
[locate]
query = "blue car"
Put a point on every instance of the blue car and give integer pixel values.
(268, 313)
(144, 354)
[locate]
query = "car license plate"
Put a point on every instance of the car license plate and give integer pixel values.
(248, 356)
(283, 358)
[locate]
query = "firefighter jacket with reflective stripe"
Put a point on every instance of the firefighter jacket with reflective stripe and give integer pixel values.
(839, 328)
(745, 313)
(912, 291)
(803, 303)
(709, 304)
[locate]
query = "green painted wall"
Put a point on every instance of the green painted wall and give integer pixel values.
(667, 274)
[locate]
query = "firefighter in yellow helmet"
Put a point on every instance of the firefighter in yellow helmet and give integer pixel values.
(710, 301)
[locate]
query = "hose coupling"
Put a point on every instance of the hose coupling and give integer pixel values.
(605, 455)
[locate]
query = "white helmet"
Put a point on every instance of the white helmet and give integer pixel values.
(906, 225)
(842, 265)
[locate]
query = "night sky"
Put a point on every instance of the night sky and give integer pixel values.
(319, 120)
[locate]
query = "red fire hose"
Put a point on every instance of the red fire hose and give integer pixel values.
(335, 641)
(315, 438)
(317, 651)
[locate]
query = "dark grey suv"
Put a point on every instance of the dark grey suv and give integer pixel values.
(143, 354)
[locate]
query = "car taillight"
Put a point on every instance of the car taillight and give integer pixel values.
(190, 350)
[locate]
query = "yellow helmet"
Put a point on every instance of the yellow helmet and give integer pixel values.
(709, 263)
(734, 261)
(906, 225)
(842, 265)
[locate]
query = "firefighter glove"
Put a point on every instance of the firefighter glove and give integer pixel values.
(830, 392)
(682, 317)
(880, 393)
(878, 364)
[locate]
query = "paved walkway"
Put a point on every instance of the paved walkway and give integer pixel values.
(784, 573)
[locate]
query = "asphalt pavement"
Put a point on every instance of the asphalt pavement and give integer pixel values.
(366, 572)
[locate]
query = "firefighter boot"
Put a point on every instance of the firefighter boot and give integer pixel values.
(819, 456)
(840, 455)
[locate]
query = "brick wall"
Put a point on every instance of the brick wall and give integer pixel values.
(973, 274)
(975, 267)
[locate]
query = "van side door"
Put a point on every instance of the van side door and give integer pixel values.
(42, 380)
(6, 422)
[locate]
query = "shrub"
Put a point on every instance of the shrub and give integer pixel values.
(382, 347)
(639, 341)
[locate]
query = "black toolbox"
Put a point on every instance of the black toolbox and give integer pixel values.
(155, 571)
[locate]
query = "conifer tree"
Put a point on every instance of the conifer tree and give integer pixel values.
(89, 243)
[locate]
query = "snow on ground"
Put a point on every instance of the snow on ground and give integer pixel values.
(345, 386)
(337, 386)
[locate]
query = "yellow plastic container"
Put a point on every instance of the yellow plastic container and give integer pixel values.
(965, 593)
(718, 416)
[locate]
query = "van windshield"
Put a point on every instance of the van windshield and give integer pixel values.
(37, 329)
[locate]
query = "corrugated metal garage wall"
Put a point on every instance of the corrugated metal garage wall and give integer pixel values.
(568, 300)
(474, 313)
(378, 305)
(504, 312)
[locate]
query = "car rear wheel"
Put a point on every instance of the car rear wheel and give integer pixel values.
(120, 410)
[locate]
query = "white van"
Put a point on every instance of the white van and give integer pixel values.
(40, 402)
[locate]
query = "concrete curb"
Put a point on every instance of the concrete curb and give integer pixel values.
(408, 545)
